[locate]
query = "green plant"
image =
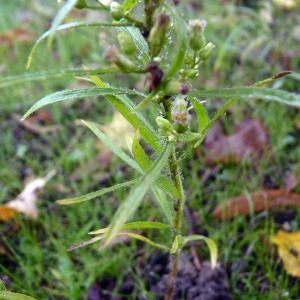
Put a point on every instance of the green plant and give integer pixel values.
(145, 48)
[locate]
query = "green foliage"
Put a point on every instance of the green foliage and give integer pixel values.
(162, 174)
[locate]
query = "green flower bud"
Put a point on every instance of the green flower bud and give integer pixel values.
(196, 29)
(205, 52)
(163, 124)
(126, 43)
(189, 58)
(193, 73)
(116, 11)
(176, 87)
(158, 34)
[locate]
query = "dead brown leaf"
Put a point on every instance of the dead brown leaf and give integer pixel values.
(248, 142)
(34, 127)
(257, 201)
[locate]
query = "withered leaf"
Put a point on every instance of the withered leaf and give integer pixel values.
(248, 142)
(257, 201)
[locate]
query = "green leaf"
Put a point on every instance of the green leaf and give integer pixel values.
(112, 146)
(5, 295)
(182, 41)
(68, 26)
(75, 94)
(93, 195)
(45, 75)
(177, 244)
(134, 199)
(125, 106)
(138, 40)
(129, 4)
(139, 154)
(81, 244)
(250, 92)
(201, 113)
(165, 203)
(213, 249)
(144, 162)
(135, 225)
(59, 19)
(143, 239)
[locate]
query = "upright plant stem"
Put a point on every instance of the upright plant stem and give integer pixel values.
(178, 204)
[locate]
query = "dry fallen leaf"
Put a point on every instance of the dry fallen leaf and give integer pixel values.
(26, 201)
(289, 250)
(247, 143)
(257, 201)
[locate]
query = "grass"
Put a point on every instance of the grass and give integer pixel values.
(38, 264)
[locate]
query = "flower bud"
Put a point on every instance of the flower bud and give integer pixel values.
(116, 11)
(163, 124)
(126, 43)
(113, 55)
(193, 73)
(158, 34)
(180, 116)
(196, 29)
(205, 52)
(176, 87)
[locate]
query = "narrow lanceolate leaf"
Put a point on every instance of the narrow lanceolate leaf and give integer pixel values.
(75, 94)
(213, 249)
(139, 154)
(182, 41)
(144, 162)
(125, 106)
(5, 295)
(144, 239)
(45, 75)
(129, 4)
(201, 113)
(165, 203)
(251, 92)
(139, 41)
(93, 195)
(135, 225)
(135, 197)
(59, 19)
(68, 26)
(112, 146)
(82, 244)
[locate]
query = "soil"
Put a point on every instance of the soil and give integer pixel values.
(191, 284)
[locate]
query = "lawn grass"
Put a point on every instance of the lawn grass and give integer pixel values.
(38, 263)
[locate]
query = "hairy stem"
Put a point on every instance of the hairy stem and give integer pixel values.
(178, 204)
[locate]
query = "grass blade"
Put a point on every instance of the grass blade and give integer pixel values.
(134, 199)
